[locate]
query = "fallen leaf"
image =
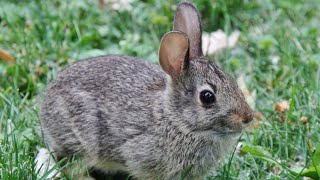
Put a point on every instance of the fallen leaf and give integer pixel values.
(6, 56)
(217, 40)
(304, 120)
(101, 3)
(282, 106)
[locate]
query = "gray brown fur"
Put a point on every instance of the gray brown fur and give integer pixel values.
(124, 114)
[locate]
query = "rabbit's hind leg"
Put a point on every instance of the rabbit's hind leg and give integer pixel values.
(98, 174)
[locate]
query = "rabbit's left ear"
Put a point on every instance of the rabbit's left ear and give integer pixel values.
(173, 53)
(187, 20)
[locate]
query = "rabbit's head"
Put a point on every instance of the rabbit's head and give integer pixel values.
(199, 96)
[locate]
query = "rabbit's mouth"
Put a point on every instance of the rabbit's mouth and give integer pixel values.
(214, 136)
(221, 133)
(226, 133)
(223, 127)
(229, 124)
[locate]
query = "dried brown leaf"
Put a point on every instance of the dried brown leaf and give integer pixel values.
(6, 56)
(101, 3)
(304, 120)
(282, 106)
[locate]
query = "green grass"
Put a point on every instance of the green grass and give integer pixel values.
(45, 36)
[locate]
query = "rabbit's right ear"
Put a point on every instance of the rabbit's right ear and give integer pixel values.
(173, 53)
(187, 20)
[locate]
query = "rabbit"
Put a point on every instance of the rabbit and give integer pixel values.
(124, 114)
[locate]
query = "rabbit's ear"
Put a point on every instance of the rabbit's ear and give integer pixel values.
(173, 51)
(187, 20)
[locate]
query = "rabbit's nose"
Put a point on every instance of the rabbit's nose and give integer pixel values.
(247, 120)
(247, 117)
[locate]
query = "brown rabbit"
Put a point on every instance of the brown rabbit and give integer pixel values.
(124, 114)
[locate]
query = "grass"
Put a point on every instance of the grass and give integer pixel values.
(45, 36)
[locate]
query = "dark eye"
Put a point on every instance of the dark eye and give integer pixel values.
(207, 97)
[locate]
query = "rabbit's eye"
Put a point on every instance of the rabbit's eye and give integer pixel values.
(207, 97)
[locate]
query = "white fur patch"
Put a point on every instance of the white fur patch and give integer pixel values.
(45, 162)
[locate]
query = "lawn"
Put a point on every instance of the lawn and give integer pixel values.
(278, 55)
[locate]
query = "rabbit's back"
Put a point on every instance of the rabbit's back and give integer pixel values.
(95, 105)
(101, 74)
